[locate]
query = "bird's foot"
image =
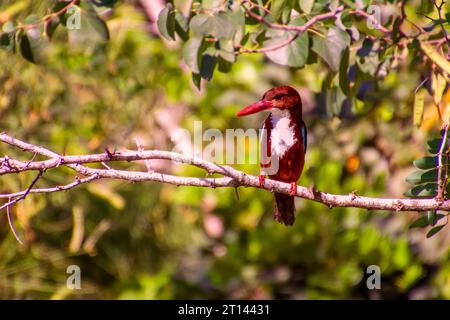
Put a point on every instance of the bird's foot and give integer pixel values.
(262, 180)
(293, 189)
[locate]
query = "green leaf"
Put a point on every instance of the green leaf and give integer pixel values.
(33, 45)
(191, 53)
(92, 30)
(369, 64)
(9, 27)
(344, 82)
(418, 177)
(425, 162)
(366, 48)
(238, 19)
(420, 223)
(434, 217)
(166, 22)
(218, 25)
(419, 102)
(426, 190)
(332, 48)
(278, 7)
(182, 26)
(435, 230)
(226, 50)
(50, 26)
(435, 144)
(7, 41)
(294, 54)
(335, 98)
(306, 5)
(223, 65)
(25, 47)
(197, 80)
(208, 65)
(104, 3)
(57, 7)
(32, 19)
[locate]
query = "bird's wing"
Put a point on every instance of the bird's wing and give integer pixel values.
(264, 144)
(304, 136)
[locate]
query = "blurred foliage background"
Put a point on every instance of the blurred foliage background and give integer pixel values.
(157, 241)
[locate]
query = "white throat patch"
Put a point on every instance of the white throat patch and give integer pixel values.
(282, 133)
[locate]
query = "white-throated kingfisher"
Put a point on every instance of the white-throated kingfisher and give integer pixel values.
(282, 145)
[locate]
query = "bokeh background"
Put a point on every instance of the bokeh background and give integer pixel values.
(158, 241)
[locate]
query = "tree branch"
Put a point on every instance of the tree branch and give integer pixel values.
(372, 19)
(441, 180)
(299, 29)
(231, 178)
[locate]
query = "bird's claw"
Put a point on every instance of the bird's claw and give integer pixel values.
(262, 181)
(293, 189)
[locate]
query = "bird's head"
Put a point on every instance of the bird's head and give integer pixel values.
(283, 97)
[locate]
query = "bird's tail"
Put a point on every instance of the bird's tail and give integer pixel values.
(284, 209)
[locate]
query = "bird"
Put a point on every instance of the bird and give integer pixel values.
(283, 143)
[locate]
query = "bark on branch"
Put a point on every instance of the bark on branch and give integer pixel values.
(230, 177)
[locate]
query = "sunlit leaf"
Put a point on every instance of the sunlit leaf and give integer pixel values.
(438, 59)
(332, 48)
(306, 5)
(226, 51)
(191, 53)
(278, 7)
(218, 25)
(293, 54)
(108, 194)
(238, 18)
(439, 83)
(419, 101)
(166, 22)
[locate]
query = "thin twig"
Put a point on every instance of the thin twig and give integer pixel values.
(66, 187)
(298, 29)
(439, 8)
(23, 196)
(140, 149)
(11, 224)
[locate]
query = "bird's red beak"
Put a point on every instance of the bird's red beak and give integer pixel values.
(256, 107)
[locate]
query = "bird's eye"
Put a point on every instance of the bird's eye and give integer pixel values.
(278, 97)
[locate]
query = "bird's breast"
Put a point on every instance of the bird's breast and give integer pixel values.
(282, 135)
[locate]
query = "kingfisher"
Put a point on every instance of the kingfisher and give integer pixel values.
(283, 142)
